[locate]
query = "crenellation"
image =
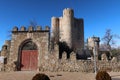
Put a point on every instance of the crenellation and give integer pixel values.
(15, 29)
(30, 28)
(64, 56)
(68, 12)
(39, 28)
(23, 28)
(73, 56)
(91, 41)
(47, 28)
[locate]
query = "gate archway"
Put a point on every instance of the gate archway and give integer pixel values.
(29, 56)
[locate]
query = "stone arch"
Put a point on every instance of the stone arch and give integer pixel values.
(28, 47)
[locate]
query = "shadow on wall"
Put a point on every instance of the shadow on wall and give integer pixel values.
(63, 47)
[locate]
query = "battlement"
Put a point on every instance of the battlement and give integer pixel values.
(30, 29)
(97, 39)
(68, 12)
(91, 42)
(55, 17)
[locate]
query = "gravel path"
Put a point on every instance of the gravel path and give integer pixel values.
(27, 75)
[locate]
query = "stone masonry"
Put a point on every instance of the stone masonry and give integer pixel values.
(55, 51)
(19, 37)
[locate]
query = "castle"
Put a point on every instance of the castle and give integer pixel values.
(40, 49)
(68, 32)
(69, 29)
(29, 48)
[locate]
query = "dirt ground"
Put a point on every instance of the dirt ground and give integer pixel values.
(27, 75)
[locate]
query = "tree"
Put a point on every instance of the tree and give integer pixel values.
(115, 52)
(108, 39)
(108, 42)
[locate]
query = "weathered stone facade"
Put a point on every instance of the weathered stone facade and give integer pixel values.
(20, 37)
(56, 52)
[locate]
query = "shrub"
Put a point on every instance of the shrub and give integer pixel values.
(103, 75)
(40, 76)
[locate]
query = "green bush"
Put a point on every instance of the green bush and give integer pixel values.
(103, 75)
(40, 76)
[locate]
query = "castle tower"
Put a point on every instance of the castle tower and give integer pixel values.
(55, 29)
(69, 31)
(91, 42)
(67, 24)
(93, 45)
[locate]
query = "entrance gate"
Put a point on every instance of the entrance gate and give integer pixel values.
(29, 57)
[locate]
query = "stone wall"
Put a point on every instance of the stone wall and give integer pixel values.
(50, 62)
(69, 65)
(20, 37)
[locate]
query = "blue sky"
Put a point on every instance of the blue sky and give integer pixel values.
(98, 15)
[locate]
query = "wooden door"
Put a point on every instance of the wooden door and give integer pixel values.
(29, 60)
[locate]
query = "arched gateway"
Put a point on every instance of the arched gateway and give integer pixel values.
(29, 56)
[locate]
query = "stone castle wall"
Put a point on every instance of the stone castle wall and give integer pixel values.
(49, 60)
(54, 64)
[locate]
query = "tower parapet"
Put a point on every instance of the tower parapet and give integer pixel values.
(91, 42)
(68, 12)
(30, 29)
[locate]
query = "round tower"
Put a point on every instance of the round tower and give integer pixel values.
(67, 24)
(55, 28)
(93, 45)
(91, 42)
